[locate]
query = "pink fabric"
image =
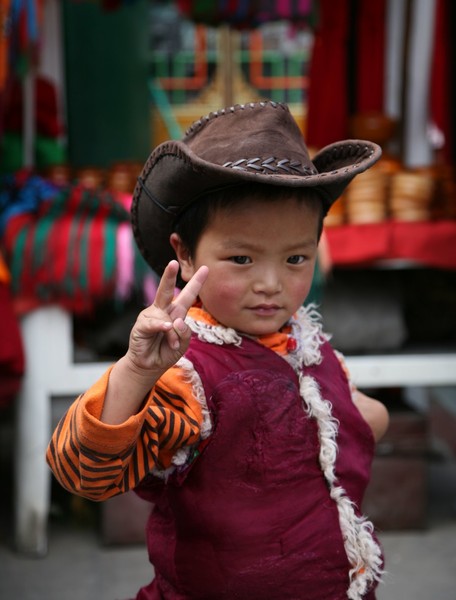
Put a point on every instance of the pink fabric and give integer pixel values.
(125, 257)
(150, 288)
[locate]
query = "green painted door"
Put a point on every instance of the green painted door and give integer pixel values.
(106, 61)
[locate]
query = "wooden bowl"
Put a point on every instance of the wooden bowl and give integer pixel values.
(373, 126)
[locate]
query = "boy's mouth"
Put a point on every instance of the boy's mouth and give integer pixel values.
(265, 309)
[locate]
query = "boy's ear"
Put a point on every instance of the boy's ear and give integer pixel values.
(183, 256)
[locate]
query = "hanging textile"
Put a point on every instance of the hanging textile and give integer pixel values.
(21, 35)
(49, 148)
(4, 41)
(442, 89)
(370, 55)
(46, 111)
(20, 22)
(327, 98)
(347, 67)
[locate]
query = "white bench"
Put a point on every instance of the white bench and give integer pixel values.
(51, 372)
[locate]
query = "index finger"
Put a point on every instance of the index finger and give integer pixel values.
(190, 292)
(167, 285)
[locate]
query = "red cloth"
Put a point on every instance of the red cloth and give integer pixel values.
(11, 350)
(327, 103)
(370, 73)
(431, 244)
(441, 77)
(330, 88)
(46, 110)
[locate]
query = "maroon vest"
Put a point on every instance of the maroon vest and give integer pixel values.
(252, 518)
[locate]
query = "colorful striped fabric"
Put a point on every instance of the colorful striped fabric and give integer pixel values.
(66, 246)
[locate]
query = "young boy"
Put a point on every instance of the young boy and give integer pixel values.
(230, 411)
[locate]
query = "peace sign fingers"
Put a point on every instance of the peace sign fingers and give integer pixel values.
(179, 306)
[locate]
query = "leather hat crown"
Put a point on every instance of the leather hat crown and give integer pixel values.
(256, 142)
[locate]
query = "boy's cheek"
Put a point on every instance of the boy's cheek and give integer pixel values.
(220, 291)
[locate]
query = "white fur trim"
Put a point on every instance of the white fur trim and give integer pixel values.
(198, 391)
(181, 456)
(306, 329)
(305, 326)
(214, 334)
(362, 550)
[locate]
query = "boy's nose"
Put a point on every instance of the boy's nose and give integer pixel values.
(267, 282)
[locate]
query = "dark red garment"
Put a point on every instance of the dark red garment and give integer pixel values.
(252, 517)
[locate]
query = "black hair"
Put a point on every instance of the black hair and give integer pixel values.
(194, 220)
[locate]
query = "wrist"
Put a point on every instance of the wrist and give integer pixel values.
(128, 387)
(135, 376)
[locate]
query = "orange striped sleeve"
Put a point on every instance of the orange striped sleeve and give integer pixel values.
(98, 461)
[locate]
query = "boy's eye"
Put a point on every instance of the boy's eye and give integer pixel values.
(296, 259)
(240, 260)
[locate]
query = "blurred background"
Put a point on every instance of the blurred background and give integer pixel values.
(87, 89)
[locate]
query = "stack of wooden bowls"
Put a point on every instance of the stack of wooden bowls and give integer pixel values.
(446, 194)
(411, 195)
(366, 197)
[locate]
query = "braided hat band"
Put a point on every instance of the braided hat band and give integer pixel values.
(256, 142)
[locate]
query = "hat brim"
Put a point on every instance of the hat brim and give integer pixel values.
(175, 177)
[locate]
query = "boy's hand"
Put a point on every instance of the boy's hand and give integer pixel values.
(160, 336)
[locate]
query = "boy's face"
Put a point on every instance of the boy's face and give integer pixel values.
(261, 257)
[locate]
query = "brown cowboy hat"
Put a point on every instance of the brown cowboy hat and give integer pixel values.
(259, 142)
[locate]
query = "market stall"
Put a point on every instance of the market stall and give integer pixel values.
(68, 242)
